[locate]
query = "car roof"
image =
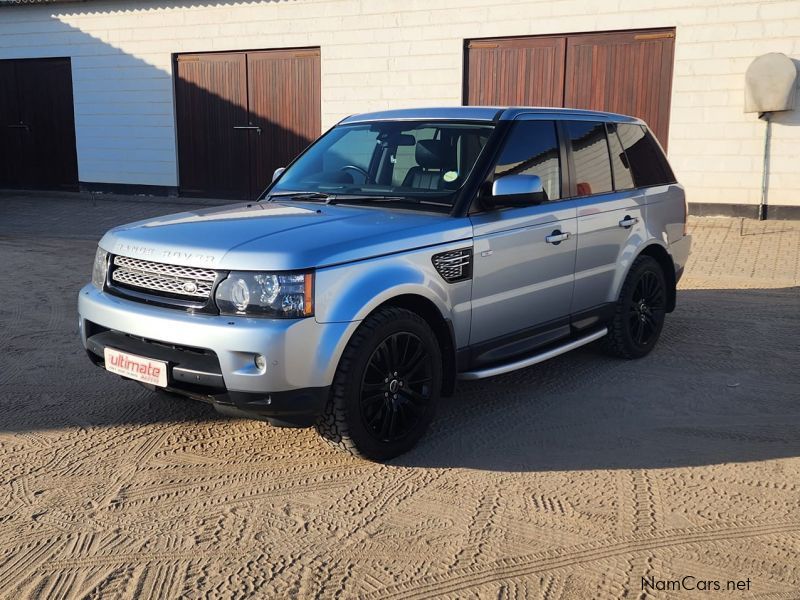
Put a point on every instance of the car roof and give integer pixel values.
(485, 113)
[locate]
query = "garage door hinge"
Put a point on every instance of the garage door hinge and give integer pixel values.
(654, 36)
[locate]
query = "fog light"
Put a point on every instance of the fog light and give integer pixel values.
(261, 362)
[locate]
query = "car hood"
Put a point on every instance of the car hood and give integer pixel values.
(281, 235)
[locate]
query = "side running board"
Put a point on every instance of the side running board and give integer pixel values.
(533, 360)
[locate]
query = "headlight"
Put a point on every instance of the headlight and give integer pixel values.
(277, 295)
(100, 268)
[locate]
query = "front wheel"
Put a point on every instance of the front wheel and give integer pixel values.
(640, 310)
(386, 386)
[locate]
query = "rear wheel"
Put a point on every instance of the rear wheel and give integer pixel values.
(640, 311)
(386, 386)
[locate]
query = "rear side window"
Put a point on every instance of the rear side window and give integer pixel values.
(590, 155)
(646, 160)
(623, 178)
(531, 148)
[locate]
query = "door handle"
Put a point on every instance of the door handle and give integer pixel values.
(557, 237)
(628, 221)
(256, 127)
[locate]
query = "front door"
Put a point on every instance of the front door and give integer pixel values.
(523, 276)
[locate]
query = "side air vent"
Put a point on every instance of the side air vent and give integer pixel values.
(454, 265)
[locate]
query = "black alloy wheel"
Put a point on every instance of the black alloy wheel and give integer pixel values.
(640, 310)
(386, 386)
(646, 315)
(396, 389)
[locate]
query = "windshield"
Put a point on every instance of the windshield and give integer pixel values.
(427, 160)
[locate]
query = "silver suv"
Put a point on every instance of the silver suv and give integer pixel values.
(400, 252)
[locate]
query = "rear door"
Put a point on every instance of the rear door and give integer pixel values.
(610, 213)
(522, 284)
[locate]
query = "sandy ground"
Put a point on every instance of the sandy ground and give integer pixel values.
(572, 479)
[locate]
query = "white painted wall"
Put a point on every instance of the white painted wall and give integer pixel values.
(379, 54)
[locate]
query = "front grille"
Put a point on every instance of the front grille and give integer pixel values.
(163, 280)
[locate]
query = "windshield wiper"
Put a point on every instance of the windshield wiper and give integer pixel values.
(351, 198)
(301, 195)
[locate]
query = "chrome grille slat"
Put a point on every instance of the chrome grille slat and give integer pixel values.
(163, 279)
(146, 266)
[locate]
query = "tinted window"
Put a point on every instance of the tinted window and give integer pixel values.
(590, 154)
(645, 158)
(623, 179)
(531, 148)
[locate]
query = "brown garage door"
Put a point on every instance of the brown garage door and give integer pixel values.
(241, 115)
(37, 124)
(627, 72)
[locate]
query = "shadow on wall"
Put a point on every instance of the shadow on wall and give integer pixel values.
(126, 118)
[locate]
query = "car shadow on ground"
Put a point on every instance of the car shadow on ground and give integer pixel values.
(722, 386)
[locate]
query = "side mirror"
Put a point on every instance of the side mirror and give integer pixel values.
(516, 190)
(278, 172)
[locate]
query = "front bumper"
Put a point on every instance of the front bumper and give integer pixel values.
(211, 357)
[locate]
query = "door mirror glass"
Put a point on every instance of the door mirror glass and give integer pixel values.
(277, 173)
(517, 190)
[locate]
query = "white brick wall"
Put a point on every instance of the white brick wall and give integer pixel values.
(379, 54)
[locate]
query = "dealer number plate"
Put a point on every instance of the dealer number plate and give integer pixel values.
(139, 368)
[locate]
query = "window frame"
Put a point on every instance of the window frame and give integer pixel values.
(559, 144)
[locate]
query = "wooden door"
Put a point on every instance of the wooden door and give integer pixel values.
(624, 72)
(38, 121)
(10, 125)
(516, 72)
(240, 115)
(45, 90)
(211, 106)
(284, 103)
(628, 72)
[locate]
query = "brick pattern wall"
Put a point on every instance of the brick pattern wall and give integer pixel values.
(387, 54)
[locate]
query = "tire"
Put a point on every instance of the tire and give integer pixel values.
(386, 387)
(640, 310)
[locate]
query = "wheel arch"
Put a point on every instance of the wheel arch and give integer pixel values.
(661, 256)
